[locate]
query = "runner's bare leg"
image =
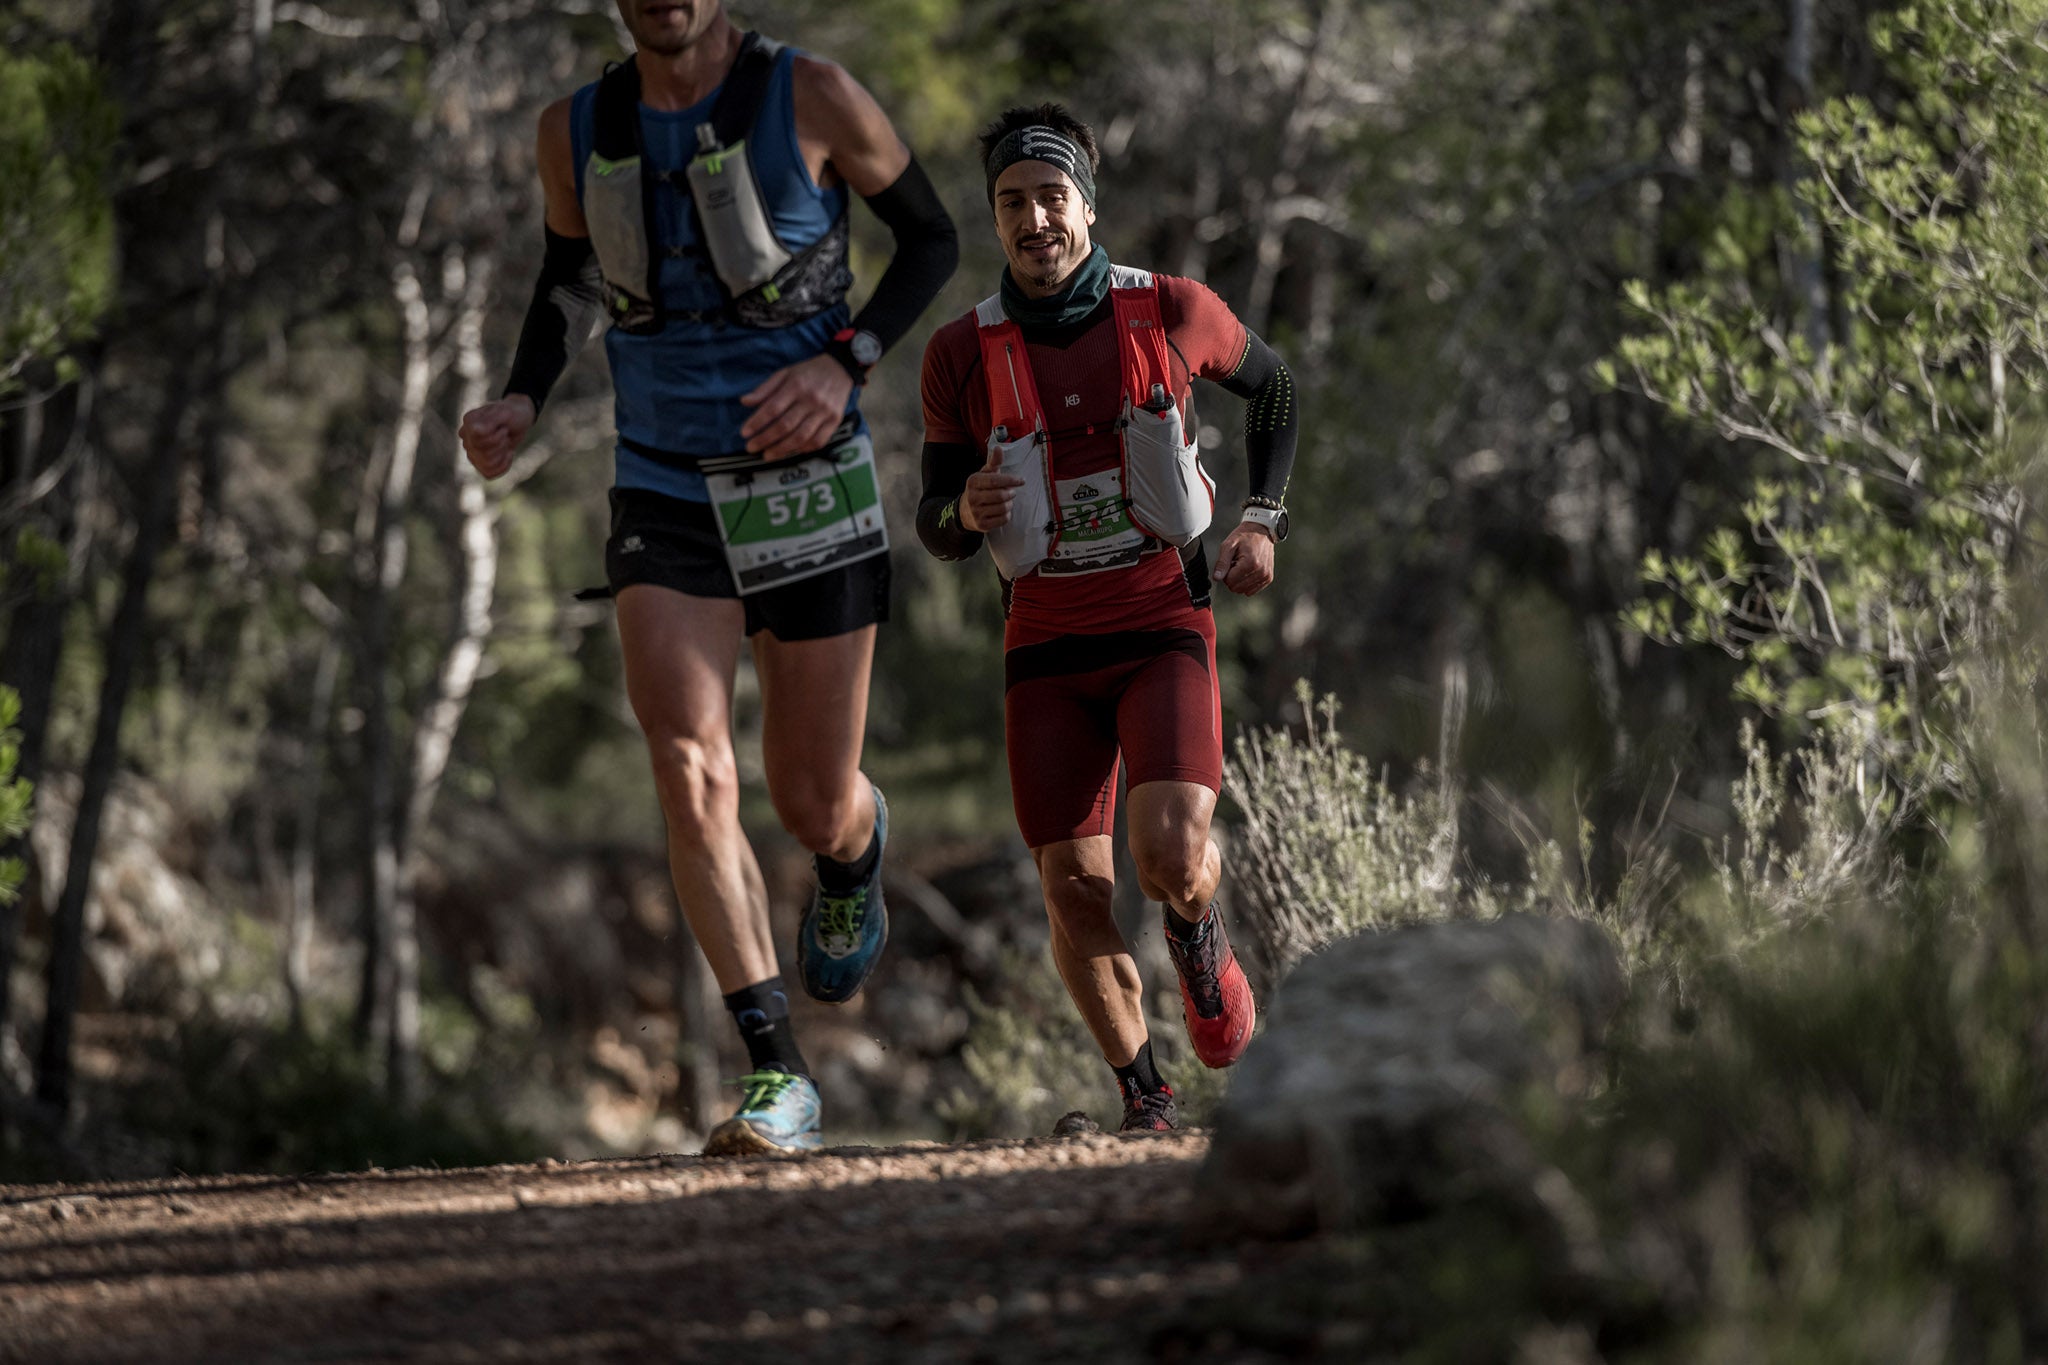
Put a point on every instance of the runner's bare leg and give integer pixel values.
(1078, 876)
(814, 715)
(680, 654)
(1169, 831)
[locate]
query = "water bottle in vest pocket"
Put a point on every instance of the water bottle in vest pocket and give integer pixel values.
(744, 248)
(1172, 496)
(613, 210)
(1021, 544)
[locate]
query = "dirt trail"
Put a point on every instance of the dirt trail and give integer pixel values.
(1042, 1251)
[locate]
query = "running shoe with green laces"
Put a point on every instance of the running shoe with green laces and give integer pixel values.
(841, 937)
(779, 1112)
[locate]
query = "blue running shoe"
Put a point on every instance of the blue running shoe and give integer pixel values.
(779, 1112)
(841, 937)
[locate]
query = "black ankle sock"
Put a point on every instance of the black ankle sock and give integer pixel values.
(762, 1013)
(1141, 1077)
(839, 877)
(1184, 932)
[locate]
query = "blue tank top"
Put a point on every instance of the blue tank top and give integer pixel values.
(680, 388)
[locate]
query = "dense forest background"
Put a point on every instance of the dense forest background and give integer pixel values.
(1664, 402)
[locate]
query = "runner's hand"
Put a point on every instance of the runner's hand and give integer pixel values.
(1245, 563)
(492, 432)
(986, 503)
(797, 408)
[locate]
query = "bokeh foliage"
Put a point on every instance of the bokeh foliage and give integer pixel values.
(57, 129)
(1874, 546)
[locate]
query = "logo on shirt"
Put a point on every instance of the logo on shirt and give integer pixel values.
(631, 545)
(1073, 400)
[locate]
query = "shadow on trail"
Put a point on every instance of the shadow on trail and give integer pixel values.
(807, 1260)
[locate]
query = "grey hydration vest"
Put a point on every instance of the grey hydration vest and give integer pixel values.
(765, 283)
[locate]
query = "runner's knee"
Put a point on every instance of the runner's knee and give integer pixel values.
(1171, 863)
(697, 780)
(817, 819)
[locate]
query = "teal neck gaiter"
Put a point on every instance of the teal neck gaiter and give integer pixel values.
(1085, 291)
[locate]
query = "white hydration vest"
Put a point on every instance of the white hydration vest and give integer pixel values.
(1160, 483)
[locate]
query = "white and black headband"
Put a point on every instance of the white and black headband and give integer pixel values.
(1039, 143)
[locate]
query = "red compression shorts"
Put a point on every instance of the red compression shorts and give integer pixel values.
(1072, 703)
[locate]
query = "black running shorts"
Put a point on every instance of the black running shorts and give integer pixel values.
(673, 543)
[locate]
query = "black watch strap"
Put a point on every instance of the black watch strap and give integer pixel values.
(856, 352)
(842, 351)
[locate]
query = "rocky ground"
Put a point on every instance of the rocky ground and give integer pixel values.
(1078, 1248)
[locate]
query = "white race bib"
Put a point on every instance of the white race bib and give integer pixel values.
(1096, 533)
(794, 520)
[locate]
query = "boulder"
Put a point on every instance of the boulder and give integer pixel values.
(1397, 1071)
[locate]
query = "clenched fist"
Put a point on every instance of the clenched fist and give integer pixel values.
(1245, 563)
(492, 432)
(985, 504)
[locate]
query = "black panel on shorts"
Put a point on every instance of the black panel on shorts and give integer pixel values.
(1071, 654)
(674, 543)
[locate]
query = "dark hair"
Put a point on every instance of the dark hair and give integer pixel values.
(1053, 116)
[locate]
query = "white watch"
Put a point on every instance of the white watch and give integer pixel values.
(1272, 519)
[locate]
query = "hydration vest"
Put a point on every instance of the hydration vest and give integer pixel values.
(764, 282)
(1170, 496)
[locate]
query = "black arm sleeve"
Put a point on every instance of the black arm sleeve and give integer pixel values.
(927, 250)
(567, 301)
(946, 467)
(1270, 416)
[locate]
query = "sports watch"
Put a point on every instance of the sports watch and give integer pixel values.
(1270, 515)
(856, 351)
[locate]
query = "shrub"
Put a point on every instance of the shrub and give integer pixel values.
(228, 1095)
(1326, 847)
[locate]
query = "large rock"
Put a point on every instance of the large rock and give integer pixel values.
(1396, 1071)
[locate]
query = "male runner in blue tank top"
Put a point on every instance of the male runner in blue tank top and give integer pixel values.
(704, 550)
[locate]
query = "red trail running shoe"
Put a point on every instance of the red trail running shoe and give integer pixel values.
(1149, 1111)
(1215, 999)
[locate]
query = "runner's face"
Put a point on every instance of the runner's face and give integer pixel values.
(1042, 221)
(666, 27)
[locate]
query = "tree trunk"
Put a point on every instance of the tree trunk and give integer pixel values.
(44, 446)
(125, 642)
(1803, 269)
(434, 737)
(381, 928)
(1203, 205)
(300, 901)
(1273, 222)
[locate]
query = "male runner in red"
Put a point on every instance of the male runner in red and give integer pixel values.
(1037, 408)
